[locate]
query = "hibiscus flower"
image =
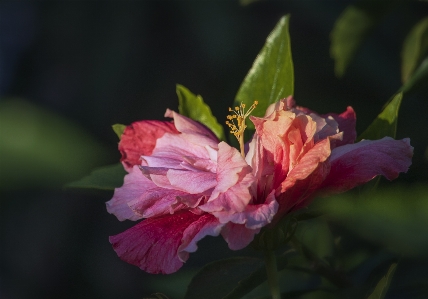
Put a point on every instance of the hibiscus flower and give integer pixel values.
(188, 185)
(297, 154)
(173, 169)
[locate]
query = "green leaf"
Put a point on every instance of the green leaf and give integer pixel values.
(396, 218)
(271, 77)
(194, 107)
(223, 279)
(385, 123)
(383, 284)
(352, 27)
(414, 48)
(103, 178)
(118, 129)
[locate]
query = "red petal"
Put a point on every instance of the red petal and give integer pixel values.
(153, 244)
(140, 138)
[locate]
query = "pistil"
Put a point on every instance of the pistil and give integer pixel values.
(237, 128)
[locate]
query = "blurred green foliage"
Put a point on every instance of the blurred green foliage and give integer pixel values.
(415, 48)
(395, 218)
(41, 149)
(352, 28)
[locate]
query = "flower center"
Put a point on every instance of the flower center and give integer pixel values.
(237, 128)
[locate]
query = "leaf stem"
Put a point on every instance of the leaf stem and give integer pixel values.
(272, 274)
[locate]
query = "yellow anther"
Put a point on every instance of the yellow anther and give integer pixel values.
(238, 128)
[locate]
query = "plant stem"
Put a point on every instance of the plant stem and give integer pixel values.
(272, 274)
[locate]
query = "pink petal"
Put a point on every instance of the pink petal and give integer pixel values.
(154, 244)
(189, 126)
(355, 164)
(140, 138)
(254, 216)
(192, 182)
(206, 225)
(140, 198)
(234, 179)
(134, 184)
(238, 236)
(347, 122)
(157, 201)
(176, 147)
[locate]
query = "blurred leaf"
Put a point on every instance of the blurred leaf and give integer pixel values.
(385, 123)
(414, 48)
(316, 235)
(314, 240)
(271, 77)
(118, 129)
(352, 27)
(233, 278)
(247, 2)
(157, 296)
(371, 278)
(396, 218)
(419, 77)
(104, 178)
(300, 294)
(226, 279)
(383, 285)
(40, 148)
(195, 108)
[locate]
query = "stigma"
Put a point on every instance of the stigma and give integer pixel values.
(236, 122)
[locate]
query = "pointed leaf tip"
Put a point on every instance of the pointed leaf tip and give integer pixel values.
(103, 178)
(385, 124)
(271, 77)
(118, 129)
(383, 284)
(194, 107)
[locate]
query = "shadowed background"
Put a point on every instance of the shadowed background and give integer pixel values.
(69, 70)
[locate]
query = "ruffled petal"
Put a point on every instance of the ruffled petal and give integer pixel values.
(238, 236)
(175, 147)
(347, 122)
(154, 244)
(192, 182)
(191, 127)
(135, 183)
(140, 138)
(206, 225)
(234, 179)
(305, 178)
(140, 198)
(355, 164)
(254, 216)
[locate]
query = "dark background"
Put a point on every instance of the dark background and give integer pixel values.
(69, 70)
